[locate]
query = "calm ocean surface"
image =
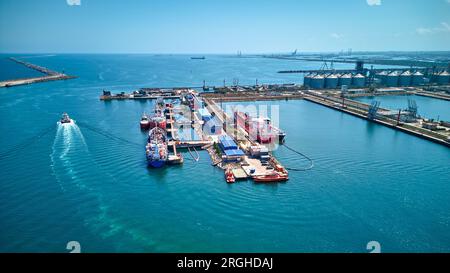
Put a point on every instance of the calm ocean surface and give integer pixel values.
(72, 184)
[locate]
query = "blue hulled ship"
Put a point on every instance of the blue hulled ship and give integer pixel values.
(156, 148)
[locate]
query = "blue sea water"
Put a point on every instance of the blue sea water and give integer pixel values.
(74, 184)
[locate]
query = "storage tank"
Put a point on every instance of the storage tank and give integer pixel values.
(417, 79)
(345, 79)
(392, 79)
(307, 79)
(443, 78)
(318, 81)
(331, 81)
(382, 77)
(359, 80)
(405, 79)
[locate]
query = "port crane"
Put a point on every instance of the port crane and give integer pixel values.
(373, 109)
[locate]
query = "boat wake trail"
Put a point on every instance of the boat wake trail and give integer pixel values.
(54, 152)
(60, 157)
(14, 150)
(84, 182)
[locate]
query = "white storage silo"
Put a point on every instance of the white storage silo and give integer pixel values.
(392, 79)
(405, 79)
(345, 79)
(331, 81)
(417, 78)
(359, 80)
(307, 79)
(443, 78)
(382, 77)
(318, 81)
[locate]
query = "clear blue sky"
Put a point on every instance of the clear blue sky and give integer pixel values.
(222, 26)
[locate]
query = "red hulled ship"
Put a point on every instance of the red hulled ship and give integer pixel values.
(259, 129)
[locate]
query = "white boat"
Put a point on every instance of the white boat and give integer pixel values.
(65, 119)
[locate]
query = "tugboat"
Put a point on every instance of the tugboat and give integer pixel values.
(229, 176)
(156, 149)
(65, 119)
(271, 177)
(145, 122)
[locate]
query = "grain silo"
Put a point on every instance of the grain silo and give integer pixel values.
(345, 79)
(417, 78)
(307, 79)
(405, 79)
(318, 81)
(392, 79)
(359, 80)
(331, 81)
(382, 77)
(443, 78)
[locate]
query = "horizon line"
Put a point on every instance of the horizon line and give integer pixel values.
(235, 53)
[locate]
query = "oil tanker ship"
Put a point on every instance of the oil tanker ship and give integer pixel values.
(157, 119)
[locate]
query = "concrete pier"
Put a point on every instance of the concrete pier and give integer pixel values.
(252, 96)
(441, 96)
(249, 167)
(360, 110)
(50, 75)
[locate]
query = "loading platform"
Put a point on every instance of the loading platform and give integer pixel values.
(441, 96)
(174, 157)
(269, 170)
(361, 110)
(189, 144)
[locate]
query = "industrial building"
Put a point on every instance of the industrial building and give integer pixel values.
(212, 127)
(334, 80)
(387, 78)
(361, 77)
(204, 114)
(229, 149)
